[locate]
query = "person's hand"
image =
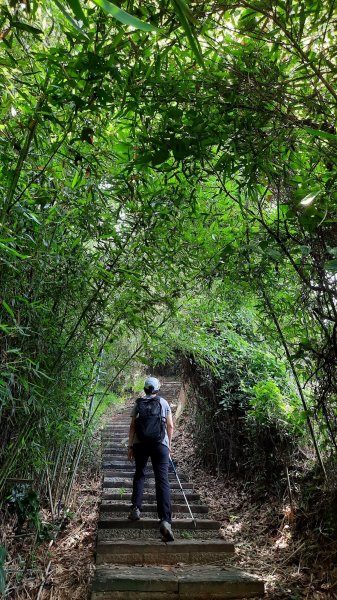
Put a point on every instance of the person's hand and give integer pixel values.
(130, 454)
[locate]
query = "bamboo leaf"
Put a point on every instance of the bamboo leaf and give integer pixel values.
(331, 265)
(183, 15)
(324, 135)
(70, 19)
(9, 309)
(12, 251)
(77, 10)
(123, 17)
(26, 27)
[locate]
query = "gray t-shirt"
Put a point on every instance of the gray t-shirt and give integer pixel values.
(165, 411)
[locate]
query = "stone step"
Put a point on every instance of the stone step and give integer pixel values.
(155, 552)
(118, 450)
(107, 506)
(128, 472)
(120, 421)
(158, 583)
(186, 524)
(112, 431)
(121, 440)
(121, 465)
(121, 482)
(147, 534)
(150, 475)
(148, 496)
(125, 465)
(120, 458)
(118, 454)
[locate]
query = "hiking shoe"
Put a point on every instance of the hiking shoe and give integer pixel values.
(134, 514)
(166, 531)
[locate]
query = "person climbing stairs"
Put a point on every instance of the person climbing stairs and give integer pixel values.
(132, 561)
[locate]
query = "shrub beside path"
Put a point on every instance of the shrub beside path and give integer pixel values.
(132, 562)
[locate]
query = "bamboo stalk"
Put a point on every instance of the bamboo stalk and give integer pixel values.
(52, 510)
(24, 152)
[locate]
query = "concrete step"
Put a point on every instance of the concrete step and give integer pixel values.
(176, 495)
(115, 438)
(155, 552)
(122, 420)
(130, 468)
(121, 440)
(107, 506)
(158, 583)
(125, 465)
(128, 474)
(122, 482)
(185, 524)
(121, 451)
(119, 465)
(112, 431)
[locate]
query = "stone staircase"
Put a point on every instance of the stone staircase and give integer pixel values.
(131, 560)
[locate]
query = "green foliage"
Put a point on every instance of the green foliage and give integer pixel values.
(151, 154)
(268, 403)
(25, 504)
(246, 416)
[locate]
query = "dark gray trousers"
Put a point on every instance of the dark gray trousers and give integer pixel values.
(159, 455)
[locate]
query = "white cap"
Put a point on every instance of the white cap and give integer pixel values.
(152, 382)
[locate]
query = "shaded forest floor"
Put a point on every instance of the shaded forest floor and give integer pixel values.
(61, 568)
(298, 561)
(295, 566)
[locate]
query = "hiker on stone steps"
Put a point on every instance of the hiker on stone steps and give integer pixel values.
(150, 436)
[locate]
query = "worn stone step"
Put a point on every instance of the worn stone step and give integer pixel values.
(120, 458)
(148, 496)
(201, 582)
(115, 438)
(122, 419)
(140, 534)
(121, 440)
(113, 430)
(129, 471)
(120, 465)
(155, 552)
(112, 474)
(126, 466)
(107, 506)
(186, 524)
(121, 482)
(118, 451)
(153, 515)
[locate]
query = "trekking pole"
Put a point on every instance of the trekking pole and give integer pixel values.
(181, 487)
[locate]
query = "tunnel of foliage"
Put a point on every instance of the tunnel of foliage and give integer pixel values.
(168, 185)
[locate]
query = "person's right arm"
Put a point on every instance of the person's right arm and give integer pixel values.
(169, 427)
(131, 436)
